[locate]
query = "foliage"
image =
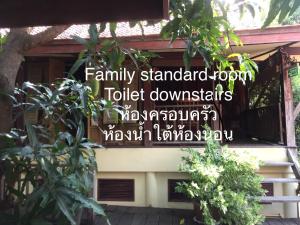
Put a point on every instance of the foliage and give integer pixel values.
(296, 96)
(224, 184)
(52, 156)
(292, 19)
(245, 6)
(281, 9)
(3, 39)
(205, 28)
(107, 54)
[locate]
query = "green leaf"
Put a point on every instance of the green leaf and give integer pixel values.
(166, 30)
(235, 38)
(32, 136)
(102, 27)
(93, 32)
(65, 209)
(87, 202)
(77, 65)
(31, 86)
(295, 6)
(80, 132)
(251, 9)
(285, 9)
(206, 55)
(36, 195)
(233, 55)
(116, 58)
(132, 24)
(80, 40)
(141, 26)
(66, 136)
(131, 56)
(95, 86)
(187, 60)
(25, 151)
(231, 85)
(219, 88)
(113, 28)
(275, 7)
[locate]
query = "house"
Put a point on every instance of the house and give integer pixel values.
(144, 172)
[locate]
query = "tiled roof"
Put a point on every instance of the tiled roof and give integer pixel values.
(123, 30)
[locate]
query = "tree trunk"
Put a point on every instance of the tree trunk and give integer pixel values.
(11, 57)
(5, 107)
(10, 61)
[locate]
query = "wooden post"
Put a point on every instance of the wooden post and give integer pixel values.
(289, 122)
(148, 107)
(289, 127)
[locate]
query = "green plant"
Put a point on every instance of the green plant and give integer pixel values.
(49, 166)
(281, 9)
(223, 184)
(3, 39)
(107, 54)
(206, 30)
(204, 26)
(52, 156)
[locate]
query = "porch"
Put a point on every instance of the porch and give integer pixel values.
(158, 216)
(253, 114)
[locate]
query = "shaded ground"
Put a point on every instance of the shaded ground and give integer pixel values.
(153, 216)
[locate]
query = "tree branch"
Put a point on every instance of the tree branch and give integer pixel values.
(297, 111)
(45, 36)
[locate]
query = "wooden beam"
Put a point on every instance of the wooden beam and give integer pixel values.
(270, 35)
(151, 43)
(277, 35)
(162, 62)
(293, 50)
(148, 106)
(16, 13)
(289, 122)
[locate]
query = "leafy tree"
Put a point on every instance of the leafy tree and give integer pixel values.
(280, 9)
(17, 42)
(292, 19)
(205, 27)
(53, 156)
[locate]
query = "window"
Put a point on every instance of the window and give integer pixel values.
(269, 187)
(116, 190)
(174, 196)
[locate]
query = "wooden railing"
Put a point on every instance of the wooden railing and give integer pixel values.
(190, 124)
(265, 123)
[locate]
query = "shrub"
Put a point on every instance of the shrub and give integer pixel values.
(52, 156)
(223, 184)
